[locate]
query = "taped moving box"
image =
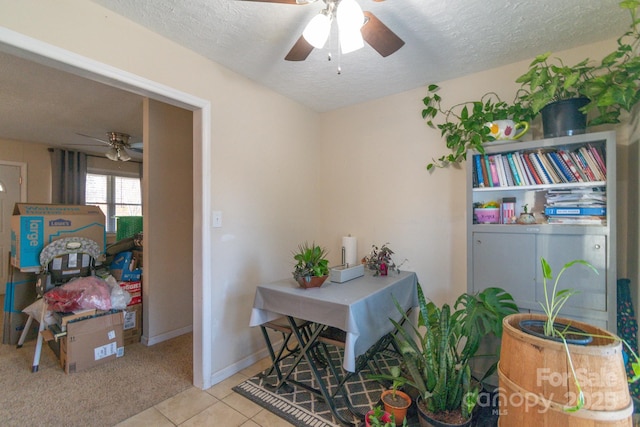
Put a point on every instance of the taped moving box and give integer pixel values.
(33, 226)
(92, 342)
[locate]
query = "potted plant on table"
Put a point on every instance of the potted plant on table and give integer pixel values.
(579, 367)
(380, 260)
(312, 266)
(438, 361)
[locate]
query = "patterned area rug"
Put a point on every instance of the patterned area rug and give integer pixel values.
(302, 408)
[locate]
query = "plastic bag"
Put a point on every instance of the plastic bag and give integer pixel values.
(81, 293)
(35, 310)
(119, 297)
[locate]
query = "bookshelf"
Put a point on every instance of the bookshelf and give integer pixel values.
(508, 255)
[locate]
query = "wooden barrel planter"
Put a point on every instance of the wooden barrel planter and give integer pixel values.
(536, 384)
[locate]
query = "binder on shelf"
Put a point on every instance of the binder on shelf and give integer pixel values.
(571, 165)
(489, 176)
(575, 211)
(514, 171)
(540, 168)
(563, 168)
(508, 210)
(485, 177)
(495, 180)
(599, 157)
(532, 169)
(478, 170)
(507, 171)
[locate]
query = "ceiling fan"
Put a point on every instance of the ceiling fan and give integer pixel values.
(119, 143)
(354, 26)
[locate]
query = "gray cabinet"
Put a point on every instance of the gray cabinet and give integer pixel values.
(508, 255)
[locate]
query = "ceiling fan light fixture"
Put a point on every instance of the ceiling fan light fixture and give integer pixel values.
(351, 41)
(317, 30)
(112, 154)
(350, 20)
(123, 155)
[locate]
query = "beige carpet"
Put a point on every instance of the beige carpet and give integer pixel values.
(101, 396)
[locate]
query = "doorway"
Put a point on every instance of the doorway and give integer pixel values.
(42, 53)
(12, 191)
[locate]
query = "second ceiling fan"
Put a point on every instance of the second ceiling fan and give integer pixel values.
(354, 27)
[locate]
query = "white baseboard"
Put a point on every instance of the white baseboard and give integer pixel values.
(148, 341)
(230, 370)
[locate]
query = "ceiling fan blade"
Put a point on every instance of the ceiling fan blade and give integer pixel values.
(299, 51)
(379, 36)
(94, 138)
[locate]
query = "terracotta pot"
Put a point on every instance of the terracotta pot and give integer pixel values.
(536, 384)
(311, 281)
(399, 410)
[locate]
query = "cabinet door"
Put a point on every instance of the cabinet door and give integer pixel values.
(563, 248)
(505, 260)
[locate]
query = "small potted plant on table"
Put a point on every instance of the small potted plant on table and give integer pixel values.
(312, 266)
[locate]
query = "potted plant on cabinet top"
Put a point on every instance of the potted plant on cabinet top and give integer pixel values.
(438, 361)
(605, 89)
(588, 376)
(470, 124)
(312, 267)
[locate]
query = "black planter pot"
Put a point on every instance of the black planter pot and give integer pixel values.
(536, 327)
(563, 118)
(426, 420)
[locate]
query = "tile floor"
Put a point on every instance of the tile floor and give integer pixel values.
(217, 406)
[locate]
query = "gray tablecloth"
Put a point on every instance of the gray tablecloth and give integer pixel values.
(361, 307)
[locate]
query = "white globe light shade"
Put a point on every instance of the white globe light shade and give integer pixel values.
(317, 31)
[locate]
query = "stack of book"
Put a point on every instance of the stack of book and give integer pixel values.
(539, 167)
(576, 206)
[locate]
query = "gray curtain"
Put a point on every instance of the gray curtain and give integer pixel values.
(69, 174)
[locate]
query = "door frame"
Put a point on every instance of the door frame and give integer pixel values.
(43, 53)
(23, 175)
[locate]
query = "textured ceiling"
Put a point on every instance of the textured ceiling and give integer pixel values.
(444, 39)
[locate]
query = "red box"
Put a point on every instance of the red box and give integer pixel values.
(134, 289)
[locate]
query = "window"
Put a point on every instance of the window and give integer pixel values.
(116, 195)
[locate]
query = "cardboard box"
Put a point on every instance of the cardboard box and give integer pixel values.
(132, 324)
(20, 292)
(124, 267)
(92, 342)
(33, 226)
(135, 290)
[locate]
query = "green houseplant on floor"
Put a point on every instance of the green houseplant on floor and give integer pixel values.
(437, 362)
(587, 360)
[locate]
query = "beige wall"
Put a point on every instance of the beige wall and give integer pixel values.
(282, 174)
(168, 222)
(376, 186)
(38, 162)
